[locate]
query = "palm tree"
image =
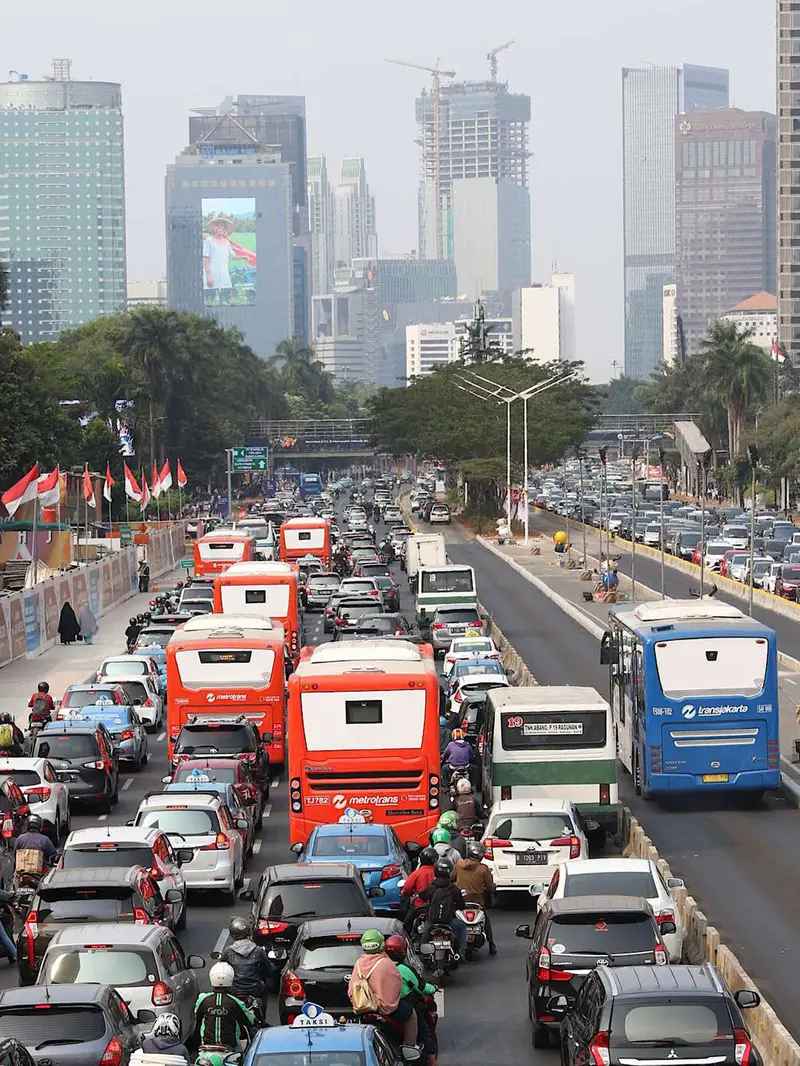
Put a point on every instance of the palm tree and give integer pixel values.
(737, 372)
(301, 372)
(5, 286)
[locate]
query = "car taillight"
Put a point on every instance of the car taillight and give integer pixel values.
(393, 869)
(543, 965)
(605, 794)
(126, 734)
(112, 1056)
(438, 625)
(491, 843)
(665, 916)
(148, 702)
(266, 927)
(31, 932)
(162, 994)
(742, 1047)
(459, 697)
(39, 794)
(222, 843)
(373, 592)
(660, 955)
(598, 1048)
(140, 916)
(293, 986)
(573, 843)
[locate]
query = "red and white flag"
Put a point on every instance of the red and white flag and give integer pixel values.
(165, 477)
(777, 354)
(88, 487)
(182, 479)
(25, 490)
(146, 497)
(132, 489)
(109, 483)
(155, 484)
(50, 489)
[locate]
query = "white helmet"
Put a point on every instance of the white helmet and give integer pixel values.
(463, 786)
(167, 1025)
(221, 975)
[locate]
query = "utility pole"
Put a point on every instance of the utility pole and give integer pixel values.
(229, 455)
(754, 458)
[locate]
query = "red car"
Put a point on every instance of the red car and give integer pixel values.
(226, 771)
(787, 583)
(725, 560)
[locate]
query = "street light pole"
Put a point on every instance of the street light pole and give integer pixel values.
(634, 457)
(580, 457)
(754, 457)
(661, 509)
(525, 502)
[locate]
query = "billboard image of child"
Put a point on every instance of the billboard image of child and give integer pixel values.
(229, 251)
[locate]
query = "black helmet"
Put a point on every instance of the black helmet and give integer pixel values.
(442, 868)
(239, 928)
(428, 857)
(43, 687)
(6, 719)
(475, 850)
(133, 621)
(34, 823)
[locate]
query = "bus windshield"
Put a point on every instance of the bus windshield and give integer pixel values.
(447, 581)
(225, 667)
(711, 666)
(552, 729)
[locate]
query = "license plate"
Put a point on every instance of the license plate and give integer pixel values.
(440, 943)
(715, 777)
(532, 858)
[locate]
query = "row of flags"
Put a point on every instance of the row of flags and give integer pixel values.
(46, 488)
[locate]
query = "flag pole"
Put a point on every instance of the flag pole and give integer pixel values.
(33, 538)
(58, 523)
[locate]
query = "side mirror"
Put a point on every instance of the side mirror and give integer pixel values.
(234, 1059)
(130, 822)
(166, 780)
(425, 949)
(746, 998)
(266, 738)
(590, 825)
(242, 823)
(216, 955)
(247, 896)
(196, 962)
(676, 882)
(143, 1016)
(558, 1004)
(174, 895)
(523, 932)
(184, 855)
(296, 848)
(537, 889)
(411, 1054)
(412, 849)
(605, 649)
(376, 893)
(668, 927)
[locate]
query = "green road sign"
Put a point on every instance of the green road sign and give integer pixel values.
(249, 460)
(125, 535)
(187, 564)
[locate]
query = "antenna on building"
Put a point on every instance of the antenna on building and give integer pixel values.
(492, 57)
(62, 69)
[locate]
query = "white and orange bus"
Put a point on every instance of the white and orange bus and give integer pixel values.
(230, 663)
(268, 590)
(216, 551)
(364, 727)
(306, 536)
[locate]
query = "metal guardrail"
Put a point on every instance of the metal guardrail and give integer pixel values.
(316, 430)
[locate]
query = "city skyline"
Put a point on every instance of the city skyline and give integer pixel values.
(357, 104)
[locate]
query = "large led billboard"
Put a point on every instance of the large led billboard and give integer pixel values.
(229, 251)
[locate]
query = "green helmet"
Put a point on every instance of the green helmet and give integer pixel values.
(372, 941)
(440, 835)
(448, 820)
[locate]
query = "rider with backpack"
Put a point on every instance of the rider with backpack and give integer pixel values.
(11, 739)
(41, 704)
(375, 986)
(444, 899)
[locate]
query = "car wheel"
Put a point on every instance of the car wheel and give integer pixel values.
(181, 922)
(540, 1036)
(66, 826)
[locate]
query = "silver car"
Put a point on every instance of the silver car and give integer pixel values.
(451, 622)
(145, 963)
(126, 728)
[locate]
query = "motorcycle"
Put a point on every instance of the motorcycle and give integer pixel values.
(8, 916)
(438, 952)
(459, 774)
(474, 917)
(393, 1031)
(212, 1055)
(27, 886)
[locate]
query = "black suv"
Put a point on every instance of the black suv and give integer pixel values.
(233, 738)
(571, 937)
(93, 894)
(656, 1013)
(289, 895)
(85, 760)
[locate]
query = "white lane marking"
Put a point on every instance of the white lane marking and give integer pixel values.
(128, 783)
(439, 997)
(267, 810)
(161, 736)
(274, 782)
(222, 940)
(790, 680)
(102, 817)
(257, 847)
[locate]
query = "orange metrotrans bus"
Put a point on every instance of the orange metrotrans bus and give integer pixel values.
(229, 663)
(306, 536)
(268, 590)
(216, 551)
(364, 727)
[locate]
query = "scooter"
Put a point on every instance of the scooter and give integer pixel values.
(438, 952)
(459, 774)
(393, 1031)
(474, 918)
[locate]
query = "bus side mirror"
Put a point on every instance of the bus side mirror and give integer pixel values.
(605, 649)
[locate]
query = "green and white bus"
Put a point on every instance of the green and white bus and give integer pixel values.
(444, 586)
(551, 741)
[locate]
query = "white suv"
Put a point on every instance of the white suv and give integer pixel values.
(45, 794)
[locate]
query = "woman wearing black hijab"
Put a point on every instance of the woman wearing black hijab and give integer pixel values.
(68, 627)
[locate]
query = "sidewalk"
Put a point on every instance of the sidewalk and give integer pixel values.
(67, 664)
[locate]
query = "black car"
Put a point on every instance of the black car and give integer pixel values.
(91, 894)
(289, 895)
(571, 937)
(85, 760)
(350, 611)
(382, 626)
(71, 1025)
(227, 737)
(658, 1013)
(389, 591)
(321, 961)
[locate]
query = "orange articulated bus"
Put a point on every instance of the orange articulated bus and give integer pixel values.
(306, 536)
(268, 590)
(364, 728)
(220, 664)
(215, 552)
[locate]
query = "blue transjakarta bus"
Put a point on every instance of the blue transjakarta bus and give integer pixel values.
(694, 697)
(310, 485)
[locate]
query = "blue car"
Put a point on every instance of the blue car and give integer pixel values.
(314, 1036)
(159, 657)
(465, 667)
(375, 850)
(125, 726)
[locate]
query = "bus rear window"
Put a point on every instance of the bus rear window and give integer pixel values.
(711, 666)
(534, 730)
(221, 549)
(447, 581)
(226, 667)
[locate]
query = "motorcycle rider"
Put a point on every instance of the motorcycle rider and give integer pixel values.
(459, 754)
(27, 844)
(415, 988)
(41, 704)
(11, 736)
(440, 839)
(466, 805)
(474, 879)
(165, 1037)
(449, 821)
(443, 900)
(6, 900)
(221, 1018)
(415, 882)
(376, 968)
(252, 970)
(133, 631)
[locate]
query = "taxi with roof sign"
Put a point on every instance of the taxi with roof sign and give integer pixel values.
(471, 646)
(374, 849)
(127, 729)
(232, 771)
(204, 781)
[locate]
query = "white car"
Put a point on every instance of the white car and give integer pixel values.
(46, 795)
(127, 845)
(771, 577)
(622, 877)
(127, 667)
(145, 696)
(477, 647)
(714, 552)
(526, 839)
(440, 512)
(761, 568)
(652, 534)
(738, 536)
(202, 822)
(471, 689)
(737, 566)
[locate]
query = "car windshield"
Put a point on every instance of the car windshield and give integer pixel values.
(82, 697)
(317, 899)
(214, 739)
(790, 573)
(679, 1020)
(330, 952)
(136, 690)
(329, 581)
(360, 610)
(611, 883)
(124, 668)
(458, 618)
(377, 624)
(471, 647)
(100, 964)
(186, 822)
(599, 933)
(466, 667)
(66, 746)
(544, 827)
(225, 775)
(107, 855)
(345, 844)
(44, 1024)
(154, 636)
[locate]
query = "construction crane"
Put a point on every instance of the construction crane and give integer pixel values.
(437, 74)
(492, 57)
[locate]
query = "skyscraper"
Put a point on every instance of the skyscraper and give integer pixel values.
(725, 230)
(354, 235)
(62, 201)
(651, 98)
(789, 178)
(320, 223)
(482, 183)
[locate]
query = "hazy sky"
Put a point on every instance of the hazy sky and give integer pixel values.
(173, 55)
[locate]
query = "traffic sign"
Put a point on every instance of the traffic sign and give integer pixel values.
(187, 564)
(125, 535)
(249, 460)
